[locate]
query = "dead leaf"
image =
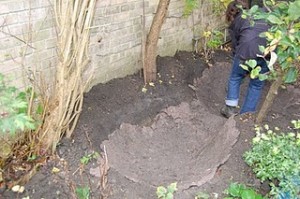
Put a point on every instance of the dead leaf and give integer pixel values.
(18, 188)
(55, 170)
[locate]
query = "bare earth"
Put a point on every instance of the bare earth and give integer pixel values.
(171, 133)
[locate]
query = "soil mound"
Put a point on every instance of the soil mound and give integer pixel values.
(184, 144)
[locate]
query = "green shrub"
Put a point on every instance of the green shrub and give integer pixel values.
(13, 110)
(275, 156)
(212, 40)
(215, 40)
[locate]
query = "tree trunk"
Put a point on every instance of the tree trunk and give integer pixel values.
(152, 40)
(273, 91)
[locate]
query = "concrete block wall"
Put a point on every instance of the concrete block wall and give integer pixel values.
(27, 40)
(28, 37)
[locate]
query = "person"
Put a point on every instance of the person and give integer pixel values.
(245, 39)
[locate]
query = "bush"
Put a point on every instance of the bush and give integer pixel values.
(212, 41)
(13, 110)
(275, 156)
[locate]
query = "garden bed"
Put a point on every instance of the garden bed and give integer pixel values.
(119, 105)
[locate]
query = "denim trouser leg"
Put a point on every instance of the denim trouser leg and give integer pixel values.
(254, 89)
(236, 76)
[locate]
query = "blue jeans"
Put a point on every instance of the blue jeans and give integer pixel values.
(254, 88)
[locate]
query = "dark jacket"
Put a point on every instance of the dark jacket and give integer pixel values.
(245, 37)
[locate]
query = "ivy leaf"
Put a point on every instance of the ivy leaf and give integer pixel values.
(161, 191)
(234, 189)
(291, 75)
(293, 11)
(252, 63)
(274, 20)
(255, 72)
(245, 67)
(169, 196)
(248, 194)
(263, 77)
(258, 196)
(261, 48)
(172, 187)
(254, 9)
(83, 192)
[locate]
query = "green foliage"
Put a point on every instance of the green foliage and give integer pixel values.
(212, 41)
(215, 40)
(240, 191)
(202, 195)
(83, 192)
(32, 157)
(219, 6)
(166, 193)
(275, 156)
(39, 109)
(13, 110)
(283, 37)
(254, 69)
(189, 6)
(87, 158)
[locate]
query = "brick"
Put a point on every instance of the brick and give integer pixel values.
(128, 7)
(4, 9)
(119, 25)
(14, 6)
(42, 24)
(113, 10)
(51, 43)
(9, 43)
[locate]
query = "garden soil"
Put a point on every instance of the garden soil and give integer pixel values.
(155, 135)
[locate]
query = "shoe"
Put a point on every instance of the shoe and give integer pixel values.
(228, 111)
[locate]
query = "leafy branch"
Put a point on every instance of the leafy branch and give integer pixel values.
(283, 40)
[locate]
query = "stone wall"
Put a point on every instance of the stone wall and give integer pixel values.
(28, 37)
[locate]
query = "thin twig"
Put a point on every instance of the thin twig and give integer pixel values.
(19, 39)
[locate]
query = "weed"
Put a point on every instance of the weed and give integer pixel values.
(240, 191)
(83, 192)
(87, 158)
(166, 193)
(212, 40)
(202, 195)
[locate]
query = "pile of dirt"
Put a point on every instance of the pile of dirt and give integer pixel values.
(171, 133)
(184, 144)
